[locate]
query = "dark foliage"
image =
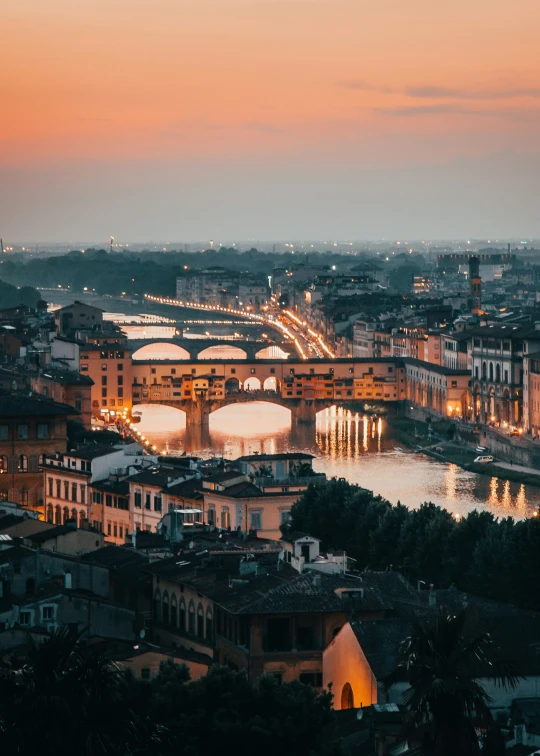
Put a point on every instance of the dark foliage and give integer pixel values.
(63, 698)
(499, 559)
(441, 662)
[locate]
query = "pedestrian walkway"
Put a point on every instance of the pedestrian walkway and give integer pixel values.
(518, 468)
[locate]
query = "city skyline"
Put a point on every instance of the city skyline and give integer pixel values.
(270, 119)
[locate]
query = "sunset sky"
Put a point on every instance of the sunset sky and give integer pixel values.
(269, 119)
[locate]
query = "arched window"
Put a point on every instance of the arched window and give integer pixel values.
(82, 517)
(225, 518)
(191, 618)
(347, 697)
(24, 497)
(165, 608)
(58, 515)
(23, 463)
(74, 514)
(50, 515)
(490, 371)
(174, 611)
(211, 516)
(200, 621)
(498, 373)
(157, 605)
(66, 514)
(3, 464)
(209, 625)
(484, 371)
(182, 616)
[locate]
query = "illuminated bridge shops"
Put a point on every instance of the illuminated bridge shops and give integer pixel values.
(305, 387)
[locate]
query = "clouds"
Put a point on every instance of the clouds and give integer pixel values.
(456, 108)
(436, 92)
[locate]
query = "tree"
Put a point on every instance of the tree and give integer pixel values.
(441, 661)
(69, 699)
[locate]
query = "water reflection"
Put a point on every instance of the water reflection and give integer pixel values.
(356, 447)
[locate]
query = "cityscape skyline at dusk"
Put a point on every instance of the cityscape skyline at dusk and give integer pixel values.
(270, 119)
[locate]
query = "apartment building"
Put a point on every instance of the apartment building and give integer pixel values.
(111, 371)
(69, 480)
(30, 427)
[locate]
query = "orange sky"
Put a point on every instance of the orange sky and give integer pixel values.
(284, 85)
(124, 78)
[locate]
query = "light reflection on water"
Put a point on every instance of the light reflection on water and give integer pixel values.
(355, 447)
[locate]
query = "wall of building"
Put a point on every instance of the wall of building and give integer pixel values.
(344, 664)
(111, 371)
(25, 487)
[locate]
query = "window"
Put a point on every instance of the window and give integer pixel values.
(256, 519)
(58, 488)
(47, 612)
(108, 528)
(225, 518)
(23, 463)
(104, 393)
(3, 433)
(311, 678)
(22, 431)
(24, 497)
(120, 392)
(200, 621)
(120, 366)
(153, 371)
(103, 380)
(147, 501)
(66, 489)
(25, 618)
(145, 673)
(191, 619)
(4, 464)
(182, 616)
(120, 380)
(73, 492)
(104, 366)
(83, 494)
(138, 499)
(284, 517)
(108, 500)
(157, 503)
(211, 516)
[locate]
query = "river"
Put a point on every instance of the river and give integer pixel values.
(347, 446)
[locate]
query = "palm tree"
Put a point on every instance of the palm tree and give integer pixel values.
(441, 661)
(64, 698)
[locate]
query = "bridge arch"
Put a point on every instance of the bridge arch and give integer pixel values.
(273, 352)
(222, 352)
(252, 384)
(232, 385)
(271, 384)
(161, 350)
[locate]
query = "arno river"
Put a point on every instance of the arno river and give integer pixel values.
(347, 446)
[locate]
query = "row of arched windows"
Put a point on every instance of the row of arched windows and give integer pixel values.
(22, 463)
(193, 621)
(59, 516)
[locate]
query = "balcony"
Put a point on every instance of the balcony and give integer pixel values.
(306, 480)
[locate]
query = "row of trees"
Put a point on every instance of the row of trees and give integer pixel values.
(478, 553)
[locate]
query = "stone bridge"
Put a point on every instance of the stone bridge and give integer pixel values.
(198, 410)
(195, 347)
